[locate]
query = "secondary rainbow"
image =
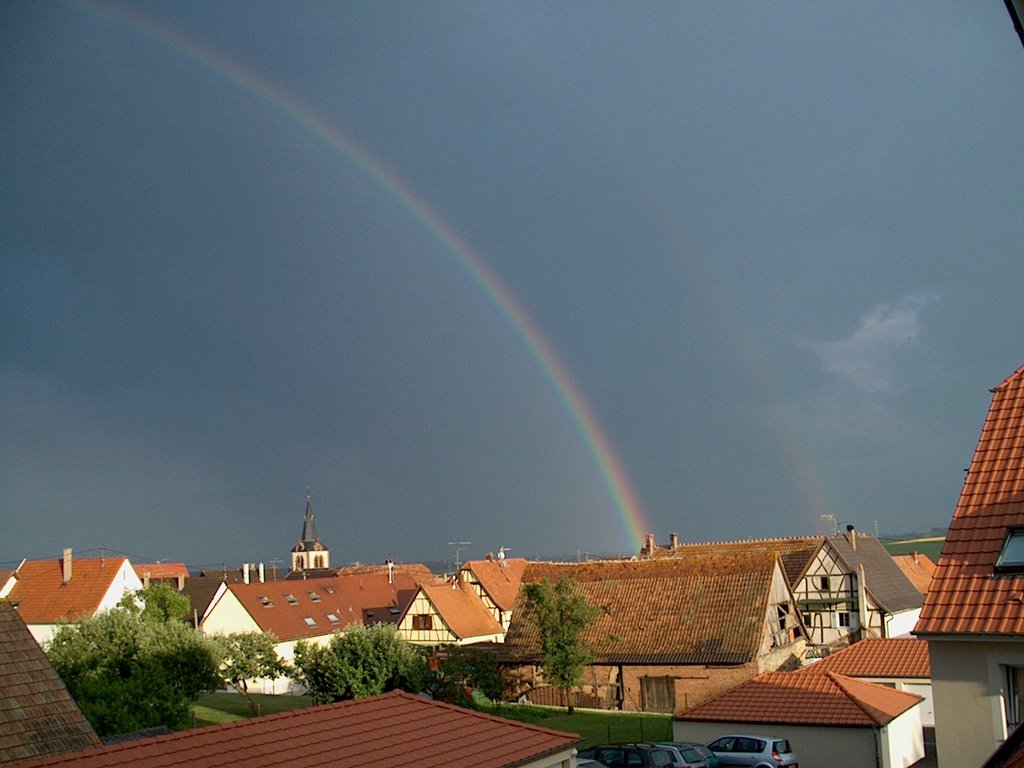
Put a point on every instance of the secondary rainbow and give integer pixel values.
(613, 474)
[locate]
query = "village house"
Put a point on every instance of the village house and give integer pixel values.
(38, 717)
(310, 609)
(830, 720)
(448, 612)
(973, 615)
(918, 568)
(669, 632)
(47, 593)
(380, 730)
(496, 581)
(901, 663)
(847, 586)
(173, 575)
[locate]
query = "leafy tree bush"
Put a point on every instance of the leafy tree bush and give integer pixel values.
(456, 669)
(248, 656)
(361, 661)
(560, 613)
(158, 602)
(127, 673)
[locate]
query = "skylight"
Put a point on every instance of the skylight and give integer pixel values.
(310, 621)
(1011, 558)
(292, 599)
(313, 596)
(265, 601)
(333, 619)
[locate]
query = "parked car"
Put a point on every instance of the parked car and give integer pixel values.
(628, 755)
(756, 751)
(683, 757)
(709, 757)
(706, 754)
(588, 763)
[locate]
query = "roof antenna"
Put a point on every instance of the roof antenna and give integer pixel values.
(459, 546)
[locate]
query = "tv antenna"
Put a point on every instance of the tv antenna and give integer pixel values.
(831, 520)
(459, 546)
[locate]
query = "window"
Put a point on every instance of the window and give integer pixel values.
(314, 596)
(658, 694)
(265, 601)
(1011, 558)
(333, 618)
(823, 583)
(292, 599)
(422, 621)
(843, 619)
(1014, 697)
(310, 621)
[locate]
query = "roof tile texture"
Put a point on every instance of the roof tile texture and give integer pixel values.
(708, 610)
(966, 596)
(799, 699)
(42, 597)
(500, 582)
(282, 607)
(462, 610)
(918, 568)
(37, 715)
(903, 657)
(373, 732)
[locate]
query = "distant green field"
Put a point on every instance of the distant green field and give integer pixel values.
(931, 546)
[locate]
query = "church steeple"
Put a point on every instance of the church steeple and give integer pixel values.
(310, 552)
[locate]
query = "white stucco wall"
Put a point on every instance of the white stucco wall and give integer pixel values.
(901, 624)
(815, 747)
(902, 740)
(967, 688)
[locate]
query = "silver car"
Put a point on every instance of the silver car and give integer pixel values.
(756, 751)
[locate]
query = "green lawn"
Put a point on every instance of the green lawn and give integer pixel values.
(595, 727)
(222, 707)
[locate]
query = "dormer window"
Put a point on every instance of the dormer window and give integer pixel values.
(1011, 558)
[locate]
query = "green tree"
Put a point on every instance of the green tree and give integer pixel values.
(158, 602)
(126, 673)
(560, 613)
(361, 661)
(248, 656)
(457, 668)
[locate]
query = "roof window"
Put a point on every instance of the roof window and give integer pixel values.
(313, 596)
(310, 621)
(292, 599)
(265, 601)
(333, 619)
(1011, 558)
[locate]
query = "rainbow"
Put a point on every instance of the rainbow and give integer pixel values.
(302, 115)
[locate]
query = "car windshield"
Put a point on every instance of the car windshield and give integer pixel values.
(660, 757)
(782, 746)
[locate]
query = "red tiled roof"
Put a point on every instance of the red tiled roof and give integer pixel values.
(918, 568)
(375, 732)
(160, 570)
(905, 657)
(966, 596)
(708, 610)
(501, 583)
(37, 715)
(1009, 754)
(42, 598)
(462, 610)
(798, 699)
(282, 607)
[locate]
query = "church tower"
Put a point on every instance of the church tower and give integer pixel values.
(310, 552)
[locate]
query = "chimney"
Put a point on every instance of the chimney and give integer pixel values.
(851, 536)
(914, 555)
(862, 600)
(245, 573)
(261, 573)
(649, 545)
(673, 541)
(67, 565)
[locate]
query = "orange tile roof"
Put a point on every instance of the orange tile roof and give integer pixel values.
(282, 607)
(905, 657)
(42, 598)
(160, 570)
(501, 583)
(37, 715)
(708, 610)
(462, 610)
(966, 596)
(918, 568)
(797, 699)
(375, 732)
